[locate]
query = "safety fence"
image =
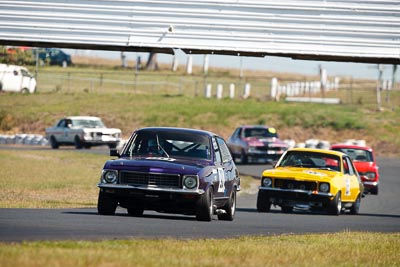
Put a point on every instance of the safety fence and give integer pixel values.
(349, 91)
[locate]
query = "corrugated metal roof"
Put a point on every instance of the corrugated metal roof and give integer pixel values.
(357, 30)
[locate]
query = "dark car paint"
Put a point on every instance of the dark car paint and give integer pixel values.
(175, 200)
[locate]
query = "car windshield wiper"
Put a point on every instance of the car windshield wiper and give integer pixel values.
(160, 147)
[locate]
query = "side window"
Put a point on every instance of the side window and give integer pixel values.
(61, 123)
(217, 151)
(350, 166)
(239, 132)
(226, 156)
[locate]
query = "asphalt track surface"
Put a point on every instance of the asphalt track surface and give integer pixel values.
(379, 213)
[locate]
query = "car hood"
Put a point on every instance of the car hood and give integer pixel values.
(158, 164)
(304, 174)
(363, 166)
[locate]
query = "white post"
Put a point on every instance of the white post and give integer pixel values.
(205, 63)
(246, 90)
(274, 88)
(189, 66)
(232, 90)
(219, 91)
(175, 64)
(208, 91)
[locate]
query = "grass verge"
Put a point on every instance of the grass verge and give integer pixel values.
(338, 249)
(57, 178)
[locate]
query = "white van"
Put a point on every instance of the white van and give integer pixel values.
(16, 79)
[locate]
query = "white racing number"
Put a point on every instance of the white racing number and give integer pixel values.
(347, 187)
(222, 179)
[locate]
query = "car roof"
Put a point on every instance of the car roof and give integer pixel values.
(82, 118)
(317, 150)
(351, 146)
(179, 129)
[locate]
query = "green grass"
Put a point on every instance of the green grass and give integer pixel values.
(56, 178)
(49, 179)
(339, 249)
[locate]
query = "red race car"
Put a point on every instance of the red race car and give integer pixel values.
(365, 163)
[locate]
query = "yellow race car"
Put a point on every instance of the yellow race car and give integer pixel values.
(316, 179)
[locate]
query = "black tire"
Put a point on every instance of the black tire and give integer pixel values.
(136, 212)
(355, 209)
(78, 143)
(112, 146)
(287, 209)
(263, 203)
(24, 91)
(106, 205)
(230, 208)
(53, 143)
(205, 206)
(335, 205)
(375, 190)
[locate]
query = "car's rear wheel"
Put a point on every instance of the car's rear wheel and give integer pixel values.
(263, 202)
(356, 206)
(230, 208)
(106, 205)
(205, 206)
(335, 205)
(53, 143)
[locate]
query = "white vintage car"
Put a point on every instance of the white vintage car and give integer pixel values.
(82, 132)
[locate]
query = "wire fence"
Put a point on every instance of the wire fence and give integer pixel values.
(348, 91)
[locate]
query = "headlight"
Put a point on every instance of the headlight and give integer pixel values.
(370, 175)
(190, 181)
(324, 187)
(110, 177)
(267, 182)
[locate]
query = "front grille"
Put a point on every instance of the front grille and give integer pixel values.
(150, 179)
(293, 184)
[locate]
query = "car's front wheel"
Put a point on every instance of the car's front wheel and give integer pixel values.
(335, 205)
(53, 142)
(230, 208)
(263, 202)
(106, 205)
(78, 143)
(205, 206)
(136, 212)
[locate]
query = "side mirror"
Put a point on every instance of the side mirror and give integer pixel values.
(114, 153)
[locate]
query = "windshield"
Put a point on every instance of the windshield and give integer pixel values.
(87, 124)
(311, 160)
(260, 132)
(357, 154)
(168, 144)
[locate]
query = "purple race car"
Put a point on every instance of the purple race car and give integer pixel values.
(172, 170)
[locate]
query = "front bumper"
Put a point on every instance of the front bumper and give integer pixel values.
(263, 156)
(127, 188)
(292, 197)
(171, 200)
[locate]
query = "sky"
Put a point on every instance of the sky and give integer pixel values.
(269, 63)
